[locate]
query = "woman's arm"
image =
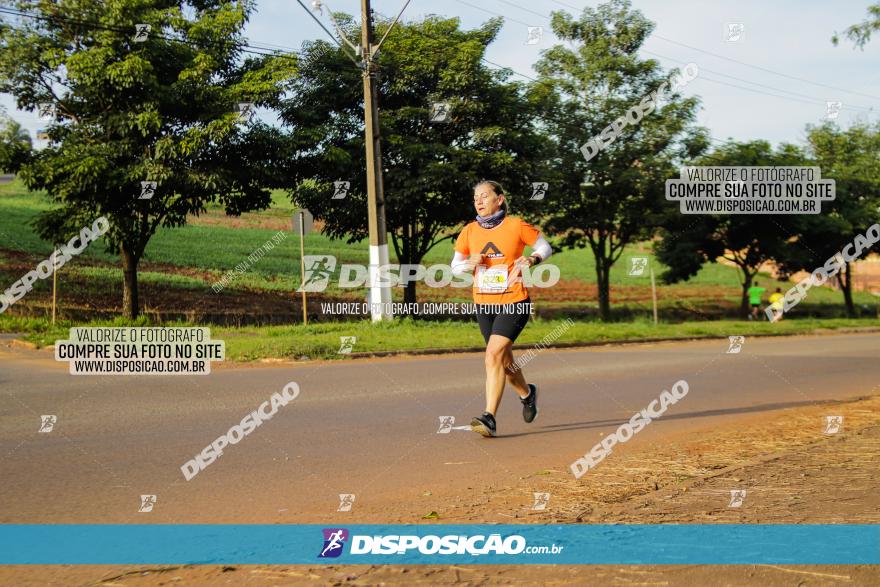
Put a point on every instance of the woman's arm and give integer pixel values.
(459, 263)
(541, 249)
(462, 263)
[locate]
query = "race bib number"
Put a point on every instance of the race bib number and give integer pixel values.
(492, 279)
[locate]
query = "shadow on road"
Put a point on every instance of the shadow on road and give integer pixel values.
(684, 416)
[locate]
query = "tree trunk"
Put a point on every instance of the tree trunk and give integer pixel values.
(602, 282)
(130, 306)
(846, 287)
(409, 248)
(409, 293)
(744, 301)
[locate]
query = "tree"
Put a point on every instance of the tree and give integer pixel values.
(156, 107)
(746, 240)
(15, 142)
(429, 168)
(609, 200)
(860, 33)
(851, 158)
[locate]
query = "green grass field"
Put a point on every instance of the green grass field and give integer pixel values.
(185, 246)
(216, 248)
(188, 259)
(322, 341)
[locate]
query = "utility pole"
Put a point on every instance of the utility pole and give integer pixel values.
(654, 295)
(380, 296)
(54, 284)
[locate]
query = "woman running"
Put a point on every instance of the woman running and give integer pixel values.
(493, 245)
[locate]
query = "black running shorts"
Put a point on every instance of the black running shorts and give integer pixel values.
(503, 319)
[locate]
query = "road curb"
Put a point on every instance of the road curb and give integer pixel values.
(568, 345)
(479, 349)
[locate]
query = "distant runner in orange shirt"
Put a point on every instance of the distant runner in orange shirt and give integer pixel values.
(491, 248)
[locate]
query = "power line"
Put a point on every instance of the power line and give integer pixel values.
(250, 48)
(549, 84)
(811, 102)
(758, 67)
(243, 45)
(329, 34)
(96, 26)
(492, 12)
(812, 98)
(390, 27)
(523, 8)
(273, 47)
(91, 25)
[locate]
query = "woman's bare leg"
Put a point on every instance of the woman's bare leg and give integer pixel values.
(500, 368)
(515, 375)
(496, 353)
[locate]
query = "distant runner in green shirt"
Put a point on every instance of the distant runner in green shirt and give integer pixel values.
(755, 294)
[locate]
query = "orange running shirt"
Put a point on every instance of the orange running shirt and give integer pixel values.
(500, 247)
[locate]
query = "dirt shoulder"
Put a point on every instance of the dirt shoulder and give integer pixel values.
(791, 468)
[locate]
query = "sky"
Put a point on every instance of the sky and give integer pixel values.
(768, 83)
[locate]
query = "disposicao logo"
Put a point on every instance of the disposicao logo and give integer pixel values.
(334, 541)
(335, 538)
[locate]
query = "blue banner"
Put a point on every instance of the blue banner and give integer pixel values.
(723, 544)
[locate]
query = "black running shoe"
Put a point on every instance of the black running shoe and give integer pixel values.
(530, 404)
(484, 424)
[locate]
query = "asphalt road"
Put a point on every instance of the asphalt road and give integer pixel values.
(369, 427)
